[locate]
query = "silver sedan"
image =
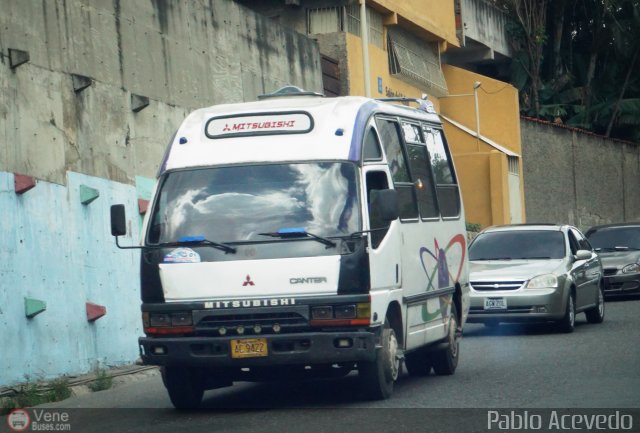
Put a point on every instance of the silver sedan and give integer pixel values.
(534, 273)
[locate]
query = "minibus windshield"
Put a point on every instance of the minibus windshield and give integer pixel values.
(239, 203)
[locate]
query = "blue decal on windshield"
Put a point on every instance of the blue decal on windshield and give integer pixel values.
(191, 239)
(292, 230)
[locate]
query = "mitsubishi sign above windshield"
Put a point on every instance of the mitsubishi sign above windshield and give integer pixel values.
(294, 122)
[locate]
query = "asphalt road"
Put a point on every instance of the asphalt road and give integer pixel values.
(513, 367)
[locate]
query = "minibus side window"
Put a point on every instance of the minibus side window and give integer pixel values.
(392, 145)
(446, 185)
(421, 170)
(372, 151)
(375, 181)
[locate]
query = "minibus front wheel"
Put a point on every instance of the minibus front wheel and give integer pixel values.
(377, 377)
(183, 386)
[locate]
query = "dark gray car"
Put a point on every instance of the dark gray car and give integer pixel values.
(618, 246)
(534, 273)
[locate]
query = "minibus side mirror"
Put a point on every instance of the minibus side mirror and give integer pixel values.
(118, 220)
(387, 204)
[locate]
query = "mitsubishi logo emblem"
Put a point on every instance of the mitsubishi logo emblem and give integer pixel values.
(248, 282)
(495, 286)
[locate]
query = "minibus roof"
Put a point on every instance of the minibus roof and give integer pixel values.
(294, 128)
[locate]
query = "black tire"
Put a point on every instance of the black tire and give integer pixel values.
(568, 323)
(377, 378)
(418, 363)
(445, 361)
(596, 314)
(185, 391)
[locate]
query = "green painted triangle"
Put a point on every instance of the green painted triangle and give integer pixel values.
(88, 194)
(32, 307)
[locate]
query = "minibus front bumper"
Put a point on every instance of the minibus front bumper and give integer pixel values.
(281, 349)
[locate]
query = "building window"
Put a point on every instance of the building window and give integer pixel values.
(514, 165)
(416, 61)
(345, 19)
(325, 20)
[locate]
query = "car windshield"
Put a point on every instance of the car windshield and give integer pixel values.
(232, 204)
(615, 237)
(518, 244)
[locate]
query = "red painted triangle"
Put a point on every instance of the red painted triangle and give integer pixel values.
(23, 183)
(94, 311)
(142, 206)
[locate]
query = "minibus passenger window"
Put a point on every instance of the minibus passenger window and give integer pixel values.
(392, 145)
(423, 180)
(446, 188)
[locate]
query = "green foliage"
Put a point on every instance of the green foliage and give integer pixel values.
(30, 394)
(58, 390)
(473, 227)
(590, 76)
(101, 382)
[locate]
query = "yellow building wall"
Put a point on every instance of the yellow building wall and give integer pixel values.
(499, 121)
(482, 170)
(433, 19)
(482, 177)
(378, 67)
(498, 106)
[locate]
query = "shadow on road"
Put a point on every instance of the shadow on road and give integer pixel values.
(514, 329)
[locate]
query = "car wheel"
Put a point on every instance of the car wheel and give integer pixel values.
(418, 363)
(568, 323)
(377, 378)
(445, 361)
(183, 387)
(596, 314)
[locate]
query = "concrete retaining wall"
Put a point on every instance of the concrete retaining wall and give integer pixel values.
(577, 178)
(57, 250)
(177, 54)
(180, 54)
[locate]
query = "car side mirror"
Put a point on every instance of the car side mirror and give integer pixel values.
(583, 255)
(118, 220)
(384, 202)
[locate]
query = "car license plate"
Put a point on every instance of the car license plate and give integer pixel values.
(495, 304)
(249, 348)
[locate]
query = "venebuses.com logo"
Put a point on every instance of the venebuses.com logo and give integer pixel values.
(20, 420)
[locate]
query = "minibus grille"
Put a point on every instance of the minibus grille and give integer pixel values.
(252, 324)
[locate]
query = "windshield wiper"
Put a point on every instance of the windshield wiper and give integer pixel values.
(298, 232)
(533, 258)
(197, 241)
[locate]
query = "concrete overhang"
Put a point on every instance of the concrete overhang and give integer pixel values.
(480, 137)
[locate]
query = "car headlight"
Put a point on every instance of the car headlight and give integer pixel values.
(543, 281)
(631, 269)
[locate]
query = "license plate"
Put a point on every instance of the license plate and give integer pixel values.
(495, 304)
(249, 348)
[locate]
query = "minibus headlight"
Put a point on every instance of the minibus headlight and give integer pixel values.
(320, 313)
(159, 319)
(345, 312)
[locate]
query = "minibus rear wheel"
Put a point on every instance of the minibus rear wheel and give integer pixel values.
(445, 361)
